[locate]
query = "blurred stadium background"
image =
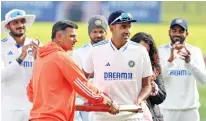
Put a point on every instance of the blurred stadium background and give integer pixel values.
(153, 17)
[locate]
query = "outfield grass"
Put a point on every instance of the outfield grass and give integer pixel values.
(159, 32)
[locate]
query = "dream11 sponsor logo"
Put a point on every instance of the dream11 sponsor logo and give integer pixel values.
(117, 76)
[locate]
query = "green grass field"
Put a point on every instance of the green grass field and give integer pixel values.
(159, 32)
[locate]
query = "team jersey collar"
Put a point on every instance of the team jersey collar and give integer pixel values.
(90, 44)
(170, 45)
(11, 39)
(123, 48)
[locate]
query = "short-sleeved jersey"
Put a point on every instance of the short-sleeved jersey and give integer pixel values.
(80, 54)
(118, 73)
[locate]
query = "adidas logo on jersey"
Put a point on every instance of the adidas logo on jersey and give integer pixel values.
(10, 53)
(107, 64)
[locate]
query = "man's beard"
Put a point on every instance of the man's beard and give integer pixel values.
(181, 40)
(96, 40)
(16, 34)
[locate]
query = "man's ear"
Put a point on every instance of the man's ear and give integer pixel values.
(187, 33)
(111, 28)
(7, 26)
(169, 32)
(59, 36)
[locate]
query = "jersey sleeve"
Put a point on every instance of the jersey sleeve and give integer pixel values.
(147, 67)
(76, 78)
(197, 67)
(7, 71)
(77, 58)
(88, 65)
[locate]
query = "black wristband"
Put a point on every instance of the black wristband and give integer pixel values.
(19, 60)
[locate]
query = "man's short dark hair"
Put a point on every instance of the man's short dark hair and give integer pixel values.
(61, 26)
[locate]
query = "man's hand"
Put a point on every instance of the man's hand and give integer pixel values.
(154, 89)
(24, 52)
(35, 47)
(185, 55)
(113, 107)
(177, 46)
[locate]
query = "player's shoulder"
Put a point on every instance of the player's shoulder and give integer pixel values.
(132, 44)
(4, 40)
(84, 46)
(192, 48)
(101, 43)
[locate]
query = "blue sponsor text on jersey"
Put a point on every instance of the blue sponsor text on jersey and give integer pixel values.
(179, 73)
(27, 63)
(117, 76)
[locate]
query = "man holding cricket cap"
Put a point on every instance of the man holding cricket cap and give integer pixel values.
(18, 53)
(182, 66)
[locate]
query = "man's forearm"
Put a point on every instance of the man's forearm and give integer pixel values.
(144, 93)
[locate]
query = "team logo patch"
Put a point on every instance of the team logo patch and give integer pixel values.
(98, 22)
(30, 52)
(131, 63)
(179, 21)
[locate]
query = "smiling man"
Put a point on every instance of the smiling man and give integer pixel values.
(122, 68)
(18, 53)
(182, 66)
(97, 30)
(56, 79)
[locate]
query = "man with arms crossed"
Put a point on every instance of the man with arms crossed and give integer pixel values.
(97, 29)
(18, 53)
(122, 68)
(182, 65)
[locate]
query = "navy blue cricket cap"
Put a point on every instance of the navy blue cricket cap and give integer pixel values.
(179, 21)
(120, 16)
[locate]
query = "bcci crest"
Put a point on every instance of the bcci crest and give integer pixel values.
(30, 52)
(179, 21)
(131, 63)
(98, 22)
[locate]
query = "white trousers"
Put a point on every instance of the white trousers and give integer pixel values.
(181, 115)
(15, 115)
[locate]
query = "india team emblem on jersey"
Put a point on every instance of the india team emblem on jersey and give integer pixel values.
(30, 52)
(131, 63)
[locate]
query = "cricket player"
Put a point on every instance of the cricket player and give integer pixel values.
(122, 68)
(18, 53)
(97, 29)
(182, 65)
(56, 79)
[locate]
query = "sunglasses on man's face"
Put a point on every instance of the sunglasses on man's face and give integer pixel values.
(123, 17)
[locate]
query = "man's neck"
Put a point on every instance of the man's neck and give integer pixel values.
(118, 43)
(19, 40)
